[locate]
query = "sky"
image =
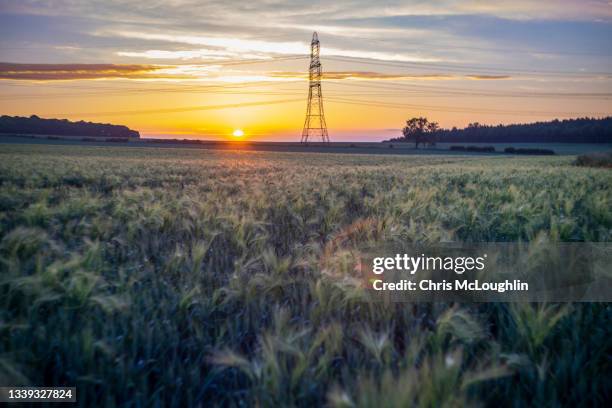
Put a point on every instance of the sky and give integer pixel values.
(203, 69)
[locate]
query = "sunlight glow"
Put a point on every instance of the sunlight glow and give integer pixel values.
(238, 133)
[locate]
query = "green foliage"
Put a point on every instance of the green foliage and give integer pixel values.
(600, 159)
(185, 277)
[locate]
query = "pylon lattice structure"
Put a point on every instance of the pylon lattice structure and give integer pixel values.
(315, 126)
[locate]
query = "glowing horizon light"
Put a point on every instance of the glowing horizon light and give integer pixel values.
(238, 133)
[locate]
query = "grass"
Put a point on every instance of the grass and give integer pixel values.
(184, 277)
(600, 159)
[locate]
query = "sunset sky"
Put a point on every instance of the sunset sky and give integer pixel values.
(203, 69)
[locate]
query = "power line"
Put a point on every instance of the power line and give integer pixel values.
(388, 93)
(97, 95)
(391, 88)
(467, 68)
(470, 92)
(334, 100)
(437, 46)
(258, 61)
(456, 109)
(176, 110)
(140, 89)
(131, 91)
(427, 46)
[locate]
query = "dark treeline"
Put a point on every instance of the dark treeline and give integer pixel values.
(62, 127)
(581, 130)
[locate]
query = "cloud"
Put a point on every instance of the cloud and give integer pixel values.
(360, 75)
(177, 54)
(66, 72)
(488, 77)
(223, 43)
(561, 10)
(268, 13)
(369, 75)
(175, 31)
(228, 46)
(54, 72)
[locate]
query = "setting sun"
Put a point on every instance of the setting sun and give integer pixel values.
(238, 133)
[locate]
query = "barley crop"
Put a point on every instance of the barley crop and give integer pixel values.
(187, 277)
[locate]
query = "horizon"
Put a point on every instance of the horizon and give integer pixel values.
(211, 71)
(346, 137)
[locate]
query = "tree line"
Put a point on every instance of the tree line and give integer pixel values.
(421, 131)
(34, 125)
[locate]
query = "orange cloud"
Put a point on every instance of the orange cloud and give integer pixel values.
(52, 72)
(489, 77)
(65, 72)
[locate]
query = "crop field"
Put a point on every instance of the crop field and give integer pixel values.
(189, 277)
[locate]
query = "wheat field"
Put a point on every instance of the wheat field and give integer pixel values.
(187, 277)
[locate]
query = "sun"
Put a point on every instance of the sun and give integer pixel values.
(238, 133)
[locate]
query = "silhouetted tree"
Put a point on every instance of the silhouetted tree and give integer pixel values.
(580, 130)
(420, 131)
(415, 130)
(432, 133)
(62, 127)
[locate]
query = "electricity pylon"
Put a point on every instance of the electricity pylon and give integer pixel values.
(314, 126)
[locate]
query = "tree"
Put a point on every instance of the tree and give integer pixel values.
(580, 130)
(420, 131)
(415, 130)
(432, 131)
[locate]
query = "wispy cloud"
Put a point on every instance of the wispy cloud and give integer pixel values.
(180, 54)
(371, 75)
(275, 12)
(65, 72)
(231, 44)
(54, 72)
(172, 31)
(234, 47)
(572, 10)
(365, 75)
(488, 77)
